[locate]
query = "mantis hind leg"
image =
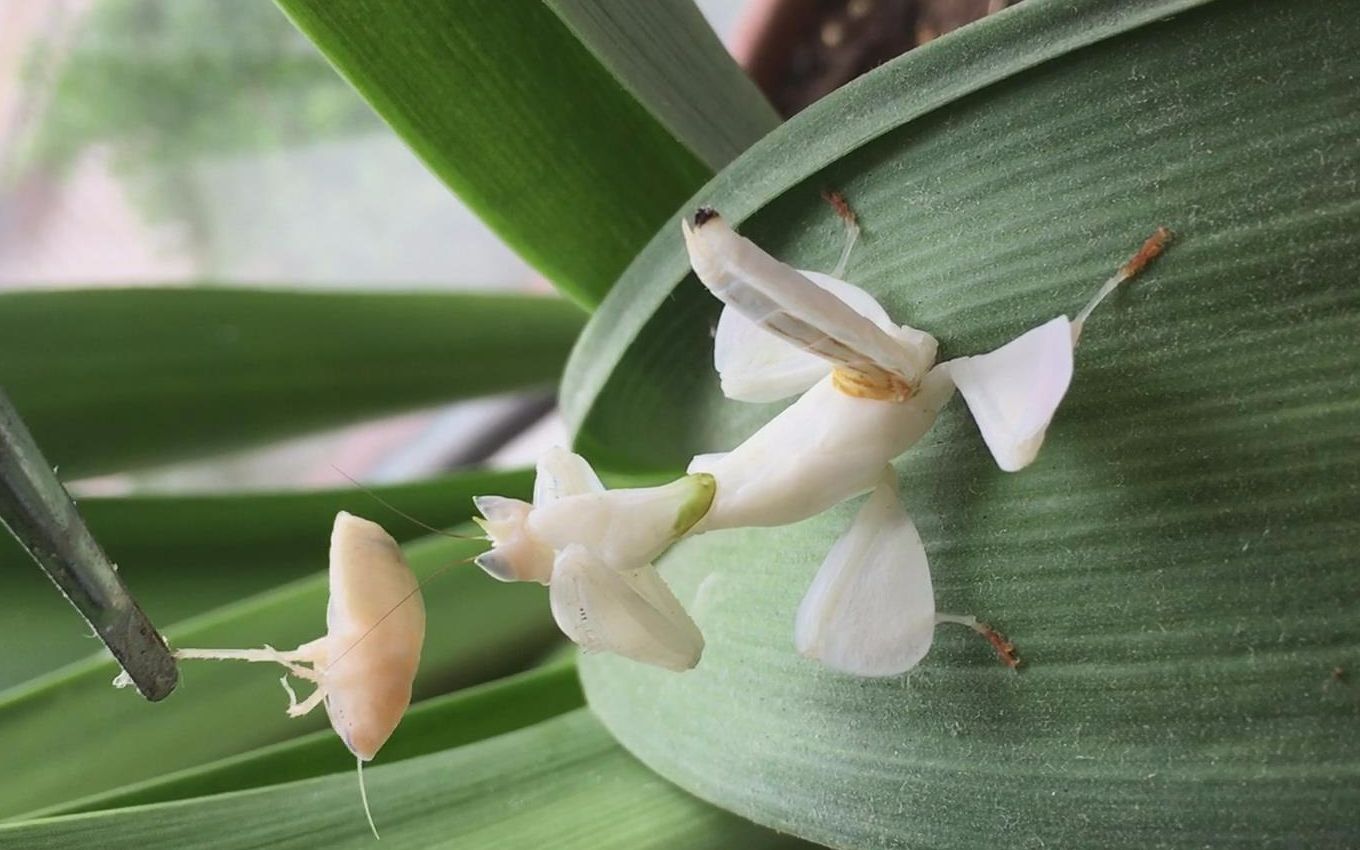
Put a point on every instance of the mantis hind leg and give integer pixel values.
(298, 709)
(1150, 250)
(1005, 650)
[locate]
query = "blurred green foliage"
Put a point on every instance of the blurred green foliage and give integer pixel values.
(160, 83)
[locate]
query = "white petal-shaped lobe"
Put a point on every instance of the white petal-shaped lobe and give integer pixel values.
(705, 462)
(756, 365)
(1014, 391)
(516, 554)
(563, 473)
(821, 450)
(633, 614)
(783, 301)
(870, 610)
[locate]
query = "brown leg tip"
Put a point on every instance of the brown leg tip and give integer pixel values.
(840, 205)
(1151, 250)
(1005, 650)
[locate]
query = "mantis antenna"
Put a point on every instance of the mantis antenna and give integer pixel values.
(399, 512)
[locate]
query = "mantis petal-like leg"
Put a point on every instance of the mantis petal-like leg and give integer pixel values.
(873, 362)
(633, 614)
(1014, 391)
(871, 609)
(603, 591)
(757, 366)
(562, 473)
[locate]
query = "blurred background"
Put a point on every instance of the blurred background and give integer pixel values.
(152, 142)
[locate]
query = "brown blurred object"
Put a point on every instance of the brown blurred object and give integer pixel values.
(800, 50)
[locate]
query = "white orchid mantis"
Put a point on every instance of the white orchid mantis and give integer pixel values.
(593, 548)
(872, 390)
(365, 664)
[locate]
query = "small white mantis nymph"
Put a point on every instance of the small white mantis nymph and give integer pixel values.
(364, 666)
(870, 390)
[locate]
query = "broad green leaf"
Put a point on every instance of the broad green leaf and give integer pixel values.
(669, 58)
(184, 555)
(562, 784)
(539, 133)
(436, 724)
(1178, 568)
(111, 378)
(797, 160)
(477, 629)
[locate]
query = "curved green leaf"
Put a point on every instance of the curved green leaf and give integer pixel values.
(477, 629)
(112, 378)
(1178, 568)
(601, 374)
(563, 784)
(186, 554)
(666, 54)
(453, 720)
(530, 127)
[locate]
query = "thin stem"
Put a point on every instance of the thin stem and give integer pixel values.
(36, 509)
(268, 654)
